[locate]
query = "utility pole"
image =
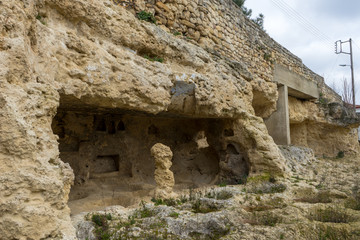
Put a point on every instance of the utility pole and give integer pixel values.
(338, 50)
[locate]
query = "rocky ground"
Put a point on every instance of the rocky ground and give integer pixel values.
(319, 200)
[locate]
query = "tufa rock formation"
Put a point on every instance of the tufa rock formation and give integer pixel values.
(87, 88)
(164, 178)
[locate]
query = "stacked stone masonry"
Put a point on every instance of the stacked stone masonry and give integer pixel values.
(220, 26)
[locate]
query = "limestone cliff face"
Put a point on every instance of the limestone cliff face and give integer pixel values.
(90, 54)
(94, 56)
(327, 128)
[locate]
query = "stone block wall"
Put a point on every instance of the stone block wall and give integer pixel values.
(220, 26)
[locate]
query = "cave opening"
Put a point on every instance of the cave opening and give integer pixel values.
(109, 152)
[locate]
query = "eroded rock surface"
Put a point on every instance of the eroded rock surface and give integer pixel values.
(328, 130)
(320, 198)
(66, 65)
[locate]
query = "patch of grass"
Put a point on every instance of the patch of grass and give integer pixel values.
(101, 219)
(326, 232)
(41, 19)
(323, 103)
(174, 215)
(154, 58)
(198, 207)
(224, 195)
(242, 180)
(176, 33)
(320, 197)
(353, 203)
(330, 214)
(131, 221)
(158, 201)
(183, 199)
(259, 178)
(144, 211)
(268, 57)
(146, 16)
(102, 234)
(221, 195)
(332, 233)
(264, 218)
(102, 226)
(268, 188)
(222, 184)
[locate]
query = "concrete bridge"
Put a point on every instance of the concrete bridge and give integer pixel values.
(289, 84)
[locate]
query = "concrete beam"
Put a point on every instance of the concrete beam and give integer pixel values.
(278, 124)
(299, 86)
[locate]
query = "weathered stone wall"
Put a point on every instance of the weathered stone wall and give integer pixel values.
(220, 26)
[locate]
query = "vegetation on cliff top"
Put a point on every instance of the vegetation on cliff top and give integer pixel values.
(259, 20)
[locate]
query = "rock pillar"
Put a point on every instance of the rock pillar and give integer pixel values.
(164, 178)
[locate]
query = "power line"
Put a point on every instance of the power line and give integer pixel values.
(333, 66)
(356, 45)
(294, 15)
(302, 20)
(308, 22)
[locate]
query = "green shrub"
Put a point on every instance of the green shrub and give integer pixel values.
(41, 19)
(174, 215)
(154, 58)
(100, 219)
(340, 154)
(199, 207)
(146, 16)
(158, 201)
(171, 202)
(144, 211)
(102, 226)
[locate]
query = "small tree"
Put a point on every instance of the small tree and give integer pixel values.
(259, 20)
(347, 95)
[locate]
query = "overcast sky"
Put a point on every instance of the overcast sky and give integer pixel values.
(309, 29)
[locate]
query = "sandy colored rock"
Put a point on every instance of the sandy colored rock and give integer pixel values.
(164, 178)
(97, 58)
(279, 208)
(324, 130)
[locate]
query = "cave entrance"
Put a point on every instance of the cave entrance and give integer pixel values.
(109, 153)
